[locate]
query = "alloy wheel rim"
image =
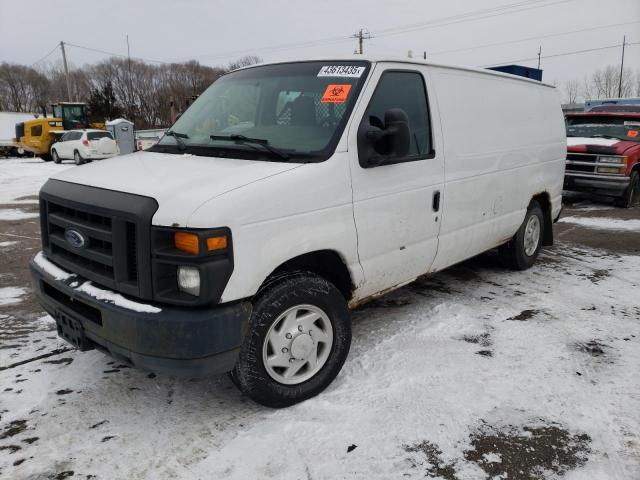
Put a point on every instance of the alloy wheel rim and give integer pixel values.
(531, 235)
(298, 344)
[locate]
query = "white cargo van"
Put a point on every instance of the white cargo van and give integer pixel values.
(286, 194)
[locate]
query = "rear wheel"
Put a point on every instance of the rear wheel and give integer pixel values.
(631, 195)
(46, 157)
(77, 158)
(523, 249)
(55, 157)
(299, 338)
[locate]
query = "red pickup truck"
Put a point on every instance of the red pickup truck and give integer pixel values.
(603, 155)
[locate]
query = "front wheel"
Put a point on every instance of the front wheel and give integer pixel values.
(522, 250)
(631, 195)
(299, 338)
(55, 157)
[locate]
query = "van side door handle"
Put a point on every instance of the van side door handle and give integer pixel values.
(436, 201)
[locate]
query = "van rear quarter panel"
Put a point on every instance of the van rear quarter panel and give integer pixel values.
(504, 142)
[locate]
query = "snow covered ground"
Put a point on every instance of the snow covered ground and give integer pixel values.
(604, 223)
(23, 177)
(476, 372)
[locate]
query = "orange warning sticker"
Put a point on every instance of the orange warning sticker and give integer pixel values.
(632, 133)
(336, 93)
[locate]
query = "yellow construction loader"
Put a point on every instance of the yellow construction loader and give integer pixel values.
(37, 135)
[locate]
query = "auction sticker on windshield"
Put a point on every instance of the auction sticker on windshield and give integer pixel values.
(341, 71)
(336, 93)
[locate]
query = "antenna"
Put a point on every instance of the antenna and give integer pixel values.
(539, 56)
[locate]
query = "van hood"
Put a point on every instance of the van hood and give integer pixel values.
(179, 183)
(601, 146)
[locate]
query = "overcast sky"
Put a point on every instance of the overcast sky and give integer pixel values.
(215, 32)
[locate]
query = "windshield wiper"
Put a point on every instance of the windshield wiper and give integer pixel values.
(178, 136)
(257, 141)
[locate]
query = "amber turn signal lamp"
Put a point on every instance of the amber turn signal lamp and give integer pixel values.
(187, 242)
(216, 243)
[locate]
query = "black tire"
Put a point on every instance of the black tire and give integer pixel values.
(46, 157)
(631, 195)
(55, 157)
(285, 292)
(513, 254)
(78, 158)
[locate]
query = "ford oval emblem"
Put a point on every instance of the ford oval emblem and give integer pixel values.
(75, 238)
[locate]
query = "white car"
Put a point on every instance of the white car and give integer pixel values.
(287, 194)
(84, 145)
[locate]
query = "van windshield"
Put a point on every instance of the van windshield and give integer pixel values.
(295, 109)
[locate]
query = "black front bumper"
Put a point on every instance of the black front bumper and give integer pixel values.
(602, 184)
(188, 342)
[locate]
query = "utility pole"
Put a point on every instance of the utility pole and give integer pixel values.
(129, 69)
(172, 110)
(624, 41)
(361, 36)
(66, 71)
(539, 55)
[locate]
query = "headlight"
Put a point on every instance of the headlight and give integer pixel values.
(191, 266)
(612, 170)
(189, 280)
(618, 160)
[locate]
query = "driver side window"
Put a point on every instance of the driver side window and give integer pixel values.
(404, 90)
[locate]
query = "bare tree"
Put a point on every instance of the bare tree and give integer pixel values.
(244, 62)
(605, 83)
(143, 92)
(78, 79)
(571, 90)
(22, 89)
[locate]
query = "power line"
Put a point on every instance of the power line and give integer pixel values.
(564, 54)
(46, 56)
(282, 46)
(459, 18)
(443, 21)
(600, 27)
(113, 54)
(472, 13)
(470, 17)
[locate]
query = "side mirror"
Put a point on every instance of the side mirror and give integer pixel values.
(377, 146)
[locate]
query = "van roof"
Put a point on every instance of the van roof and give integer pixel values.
(409, 61)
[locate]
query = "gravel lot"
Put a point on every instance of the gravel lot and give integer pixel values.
(476, 372)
